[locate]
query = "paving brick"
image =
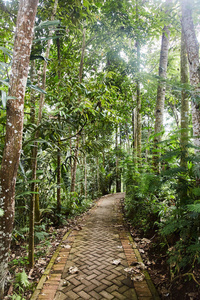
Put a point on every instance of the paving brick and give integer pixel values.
(100, 288)
(142, 289)
(118, 295)
(79, 288)
(84, 295)
(95, 295)
(90, 288)
(112, 288)
(92, 250)
(106, 295)
(71, 295)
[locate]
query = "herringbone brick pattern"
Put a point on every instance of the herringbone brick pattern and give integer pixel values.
(94, 250)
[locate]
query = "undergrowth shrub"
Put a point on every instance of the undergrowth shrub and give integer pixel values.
(169, 205)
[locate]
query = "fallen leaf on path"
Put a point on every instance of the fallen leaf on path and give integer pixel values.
(30, 273)
(141, 251)
(116, 262)
(136, 239)
(78, 228)
(135, 271)
(138, 277)
(145, 241)
(66, 246)
(139, 265)
(128, 270)
(41, 261)
(73, 270)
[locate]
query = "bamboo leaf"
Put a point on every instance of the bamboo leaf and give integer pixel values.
(6, 51)
(3, 98)
(47, 24)
(6, 82)
(26, 193)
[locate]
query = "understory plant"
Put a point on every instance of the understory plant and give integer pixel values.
(168, 204)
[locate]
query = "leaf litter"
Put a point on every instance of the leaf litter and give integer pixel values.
(135, 272)
(73, 270)
(116, 262)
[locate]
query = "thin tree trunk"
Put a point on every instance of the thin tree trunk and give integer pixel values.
(184, 116)
(135, 129)
(118, 175)
(14, 127)
(159, 112)
(184, 103)
(85, 169)
(35, 151)
(73, 179)
(192, 46)
(138, 96)
(59, 143)
(98, 176)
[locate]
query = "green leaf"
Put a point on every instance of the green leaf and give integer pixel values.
(48, 38)
(194, 207)
(36, 88)
(6, 82)
(1, 212)
(6, 51)
(47, 24)
(3, 98)
(26, 193)
(33, 57)
(22, 279)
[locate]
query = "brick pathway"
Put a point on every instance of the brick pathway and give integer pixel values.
(93, 249)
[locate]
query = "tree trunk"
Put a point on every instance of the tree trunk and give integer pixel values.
(33, 167)
(74, 166)
(73, 179)
(98, 176)
(14, 127)
(138, 96)
(34, 154)
(59, 142)
(159, 112)
(184, 103)
(192, 46)
(184, 120)
(118, 175)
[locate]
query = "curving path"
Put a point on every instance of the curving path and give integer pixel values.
(90, 262)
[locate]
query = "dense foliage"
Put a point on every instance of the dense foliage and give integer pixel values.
(82, 115)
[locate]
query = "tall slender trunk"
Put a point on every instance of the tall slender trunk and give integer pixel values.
(74, 166)
(118, 175)
(59, 177)
(73, 179)
(192, 46)
(184, 103)
(34, 153)
(59, 142)
(14, 127)
(85, 169)
(135, 129)
(184, 119)
(138, 96)
(160, 102)
(98, 175)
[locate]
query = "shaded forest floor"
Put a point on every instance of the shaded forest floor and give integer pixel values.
(156, 262)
